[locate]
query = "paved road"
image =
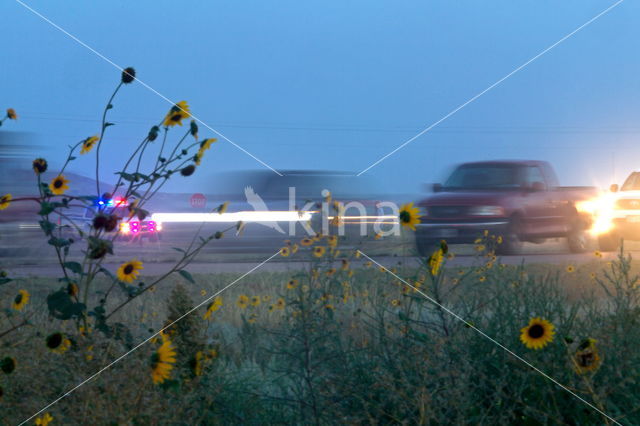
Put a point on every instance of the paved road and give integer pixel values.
(27, 254)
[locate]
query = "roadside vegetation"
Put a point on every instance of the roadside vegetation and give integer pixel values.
(335, 343)
(343, 339)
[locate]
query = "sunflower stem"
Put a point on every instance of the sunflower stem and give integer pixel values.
(102, 129)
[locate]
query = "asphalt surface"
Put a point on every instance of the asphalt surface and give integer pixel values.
(29, 255)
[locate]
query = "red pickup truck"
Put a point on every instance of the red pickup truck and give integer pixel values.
(517, 200)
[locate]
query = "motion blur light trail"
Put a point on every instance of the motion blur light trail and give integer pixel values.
(245, 216)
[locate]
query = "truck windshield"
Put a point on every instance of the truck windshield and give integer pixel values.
(632, 183)
(483, 176)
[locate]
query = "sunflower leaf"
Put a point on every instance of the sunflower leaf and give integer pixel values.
(47, 226)
(107, 124)
(61, 305)
(187, 276)
(74, 267)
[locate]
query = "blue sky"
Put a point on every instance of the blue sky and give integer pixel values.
(336, 85)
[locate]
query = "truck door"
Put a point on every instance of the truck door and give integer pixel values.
(540, 215)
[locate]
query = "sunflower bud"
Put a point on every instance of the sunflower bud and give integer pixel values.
(218, 235)
(99, 221)
(39, 165)
(153, 133)
(188, 171)
(128, 75)
(194, 129)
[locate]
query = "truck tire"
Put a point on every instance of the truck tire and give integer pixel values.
(511, 242)
(578, 240)
(609, 242)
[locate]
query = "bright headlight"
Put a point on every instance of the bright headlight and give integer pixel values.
(486, 211)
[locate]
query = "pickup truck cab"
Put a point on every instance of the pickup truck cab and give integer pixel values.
(520, 201)
(622, 213)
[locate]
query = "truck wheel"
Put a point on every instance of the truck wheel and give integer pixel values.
(511, 242)
(578, 241)
(609, 242)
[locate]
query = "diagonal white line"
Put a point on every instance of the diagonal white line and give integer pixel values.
(70, 391)
(145, 85)
(483, 334)
(455, 110)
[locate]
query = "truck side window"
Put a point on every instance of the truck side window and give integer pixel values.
(532, 174)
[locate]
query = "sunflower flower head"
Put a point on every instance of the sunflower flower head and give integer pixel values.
(243, 301)
(88, 144)
(128, 271)
(162, 361)
(11, 114)
(58, 343)
(44, 420)
(586, 358)
(409, 216)
(176, 114)
(7, 365)
(213, 306)
(39, 165)
(537, 334)
(21, 300)
(128, 75)
(319, 251)
(5, 200)
(58, 185)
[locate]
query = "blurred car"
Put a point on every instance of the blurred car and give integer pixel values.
(520, 201)
(275, 208)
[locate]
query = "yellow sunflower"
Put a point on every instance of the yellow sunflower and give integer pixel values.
(319, 251)
(293, 283)
(435, 261)
(243, 301)
(162, 362)
(537, 334)
(586, 357)
(409, 216)
(58, 185)
(571, 269)
(5, 200)
(206, 144)
(88, 143)
(306, 242)
(332, 240)
(58, 343)
(222, 208)
(255, 301)
(21, 300)
(176, 114)
(44, 420)
(128, 271)
(285, 251)
(11, 114)
(280, 303)
(345, 264)
(213, 306)
(294, 248)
